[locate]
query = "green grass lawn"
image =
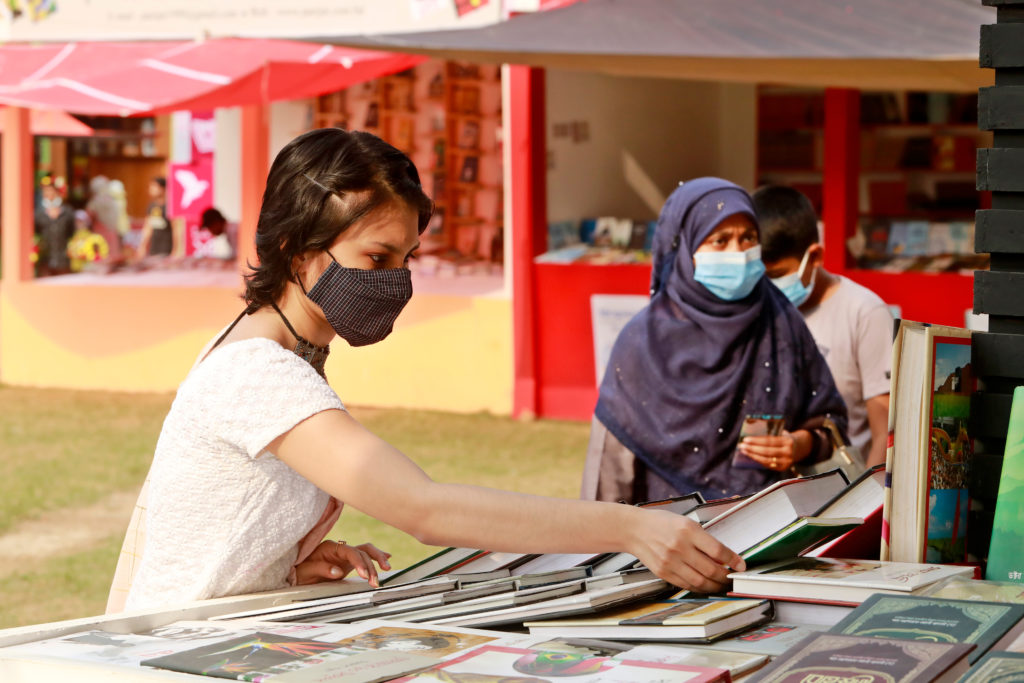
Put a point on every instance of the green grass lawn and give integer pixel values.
(65, 449)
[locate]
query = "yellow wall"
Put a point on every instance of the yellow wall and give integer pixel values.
(449, 353)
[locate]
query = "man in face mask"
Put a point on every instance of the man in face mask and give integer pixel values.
(55, 224)
(851, 324)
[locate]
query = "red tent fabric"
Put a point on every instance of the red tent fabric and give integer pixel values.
(55, 124)
(155, 77)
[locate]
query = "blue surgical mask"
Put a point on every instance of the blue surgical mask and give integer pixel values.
(792, 285)
(729, 275)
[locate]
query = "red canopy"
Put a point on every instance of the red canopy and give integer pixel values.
(55, 124)
(156, 77)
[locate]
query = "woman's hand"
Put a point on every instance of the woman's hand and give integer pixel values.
(679, 551)
(778, 453)
(333, 560)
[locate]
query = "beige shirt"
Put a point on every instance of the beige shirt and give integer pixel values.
(853, 330)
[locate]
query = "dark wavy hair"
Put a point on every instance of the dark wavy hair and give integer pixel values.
(301, 211)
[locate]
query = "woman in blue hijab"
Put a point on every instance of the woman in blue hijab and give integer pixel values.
(717, 343)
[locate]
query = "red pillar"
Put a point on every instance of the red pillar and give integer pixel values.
(528, 187)
(841, 173)
(255, 164)
(16, 219)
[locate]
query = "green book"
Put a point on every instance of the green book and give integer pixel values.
(802, 535)
(914, 617)
(1005, 557)
(997, 666)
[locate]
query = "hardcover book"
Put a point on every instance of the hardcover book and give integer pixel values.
(997, 667)
(1006, 551)
(925, 514)
(496, 663)
(677, 620)
(914, 617)
(833, 657)
(240, 657)
(852, 581)
(737, 663)
(771, 639)
(438, 563)
(799, 537)
(966, 588)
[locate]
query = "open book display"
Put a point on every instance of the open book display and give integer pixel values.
(464, 612)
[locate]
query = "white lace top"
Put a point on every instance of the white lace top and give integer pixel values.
(223, 515)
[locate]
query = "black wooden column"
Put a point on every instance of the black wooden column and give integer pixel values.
(997, 357)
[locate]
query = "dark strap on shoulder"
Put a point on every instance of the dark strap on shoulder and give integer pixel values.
(241, 315)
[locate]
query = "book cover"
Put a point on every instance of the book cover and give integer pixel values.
(737, 663)
(914, 617)
(771, 639)
(839, 579)
(445, 559)
(917, 237)
(833, 657)
(997, 667)
(799, 537)
(364, 667)
(1006, 551)
(950, 446)
(514, 664)
(859, 543)
(235, 658)
(401, 637)
(966, 588)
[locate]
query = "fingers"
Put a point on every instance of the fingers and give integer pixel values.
(772, 452)
(376, 554)
(719, 553)
(359, 560)
(315, 571)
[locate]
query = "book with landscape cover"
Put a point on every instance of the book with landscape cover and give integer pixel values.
(925, 515)
(997, 667)
(498, 663)
(1006, 551)
(833, 657)
(695, 621)
(829, 579)
(915, 617)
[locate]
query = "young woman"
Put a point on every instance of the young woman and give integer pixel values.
(718, 342)
(258, 453)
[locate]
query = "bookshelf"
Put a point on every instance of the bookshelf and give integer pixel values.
(446, 116)
(911, 191)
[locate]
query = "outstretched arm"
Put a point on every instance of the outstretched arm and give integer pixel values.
(336, 453)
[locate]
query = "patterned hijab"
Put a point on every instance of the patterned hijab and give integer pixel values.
(688, 368)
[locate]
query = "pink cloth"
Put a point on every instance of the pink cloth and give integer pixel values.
(316, 535)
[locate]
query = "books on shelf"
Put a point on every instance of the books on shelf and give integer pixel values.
(925, 513)
(833, 657)
(499, 663)
(1006, 550)
(850, 581)
(672, 620)
(915, 617)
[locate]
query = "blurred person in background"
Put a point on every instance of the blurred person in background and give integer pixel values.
(86, 246)
(213, 235)
(157, 235)
(105, 214)
(54, 224)
(851, 324)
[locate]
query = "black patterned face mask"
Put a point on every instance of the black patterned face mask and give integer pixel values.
(361, 305)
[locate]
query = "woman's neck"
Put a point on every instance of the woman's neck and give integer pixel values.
(304, 316)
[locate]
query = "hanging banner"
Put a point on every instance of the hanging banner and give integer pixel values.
(73, 20)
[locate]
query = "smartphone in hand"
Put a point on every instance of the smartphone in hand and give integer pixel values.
(756, 425)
